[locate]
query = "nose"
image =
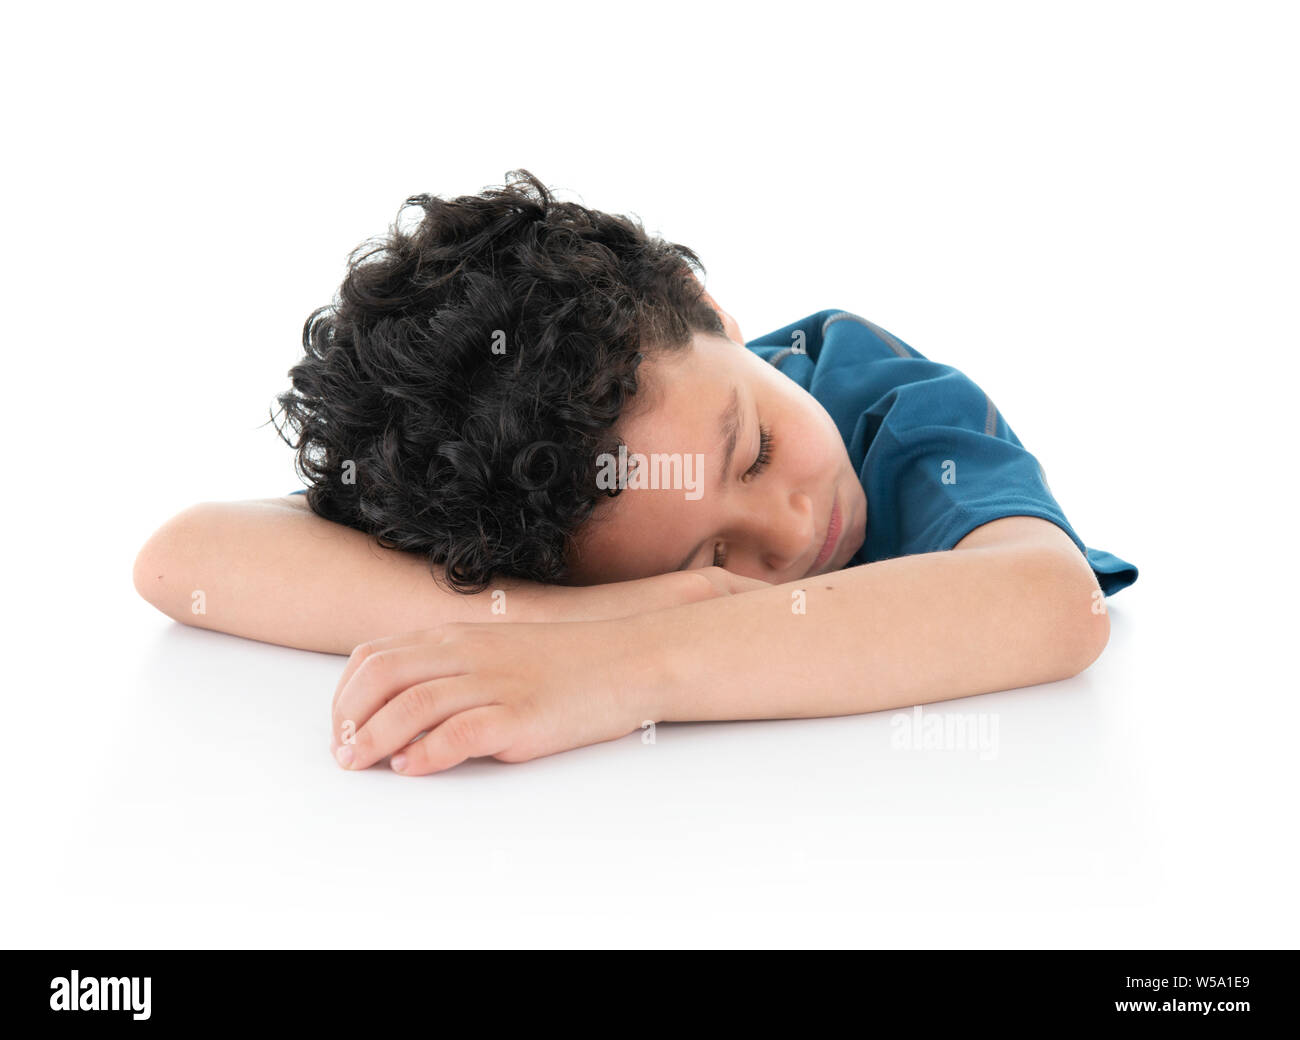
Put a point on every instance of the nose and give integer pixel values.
(788, 530)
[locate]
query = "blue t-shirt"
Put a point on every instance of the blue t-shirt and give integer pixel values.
(935, 457)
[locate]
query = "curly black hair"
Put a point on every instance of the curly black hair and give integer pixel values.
(453, 400)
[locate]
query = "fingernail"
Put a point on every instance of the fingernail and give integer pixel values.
(398, 762)
(344, 755)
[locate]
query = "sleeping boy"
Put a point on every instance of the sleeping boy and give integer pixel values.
(553, 496)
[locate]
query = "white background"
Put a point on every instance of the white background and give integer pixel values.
(1089, 209)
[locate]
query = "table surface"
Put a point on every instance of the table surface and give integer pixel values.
(185, 796)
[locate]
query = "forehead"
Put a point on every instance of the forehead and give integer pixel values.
(677, 429)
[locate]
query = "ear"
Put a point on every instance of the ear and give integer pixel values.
(728, 322)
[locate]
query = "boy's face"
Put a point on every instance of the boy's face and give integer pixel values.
(769, 522)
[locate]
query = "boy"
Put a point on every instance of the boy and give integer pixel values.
(523, 410)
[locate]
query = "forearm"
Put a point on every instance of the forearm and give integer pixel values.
(892, 634)
(273, 570)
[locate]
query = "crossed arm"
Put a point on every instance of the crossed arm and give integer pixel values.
(271, 569)
(1014, 604)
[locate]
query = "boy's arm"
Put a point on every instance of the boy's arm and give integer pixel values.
(1014, 604)
(273, 570)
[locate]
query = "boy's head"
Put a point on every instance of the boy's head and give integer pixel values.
(467, 394)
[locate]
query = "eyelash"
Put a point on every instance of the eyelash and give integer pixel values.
(760, 464)
(764, 452)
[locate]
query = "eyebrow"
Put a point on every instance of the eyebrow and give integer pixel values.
(730, 425)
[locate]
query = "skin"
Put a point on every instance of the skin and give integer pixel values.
(767, 523)
(1013, 604)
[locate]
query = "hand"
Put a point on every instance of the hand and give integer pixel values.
(510, 690)
(643, 595)
(725, 583)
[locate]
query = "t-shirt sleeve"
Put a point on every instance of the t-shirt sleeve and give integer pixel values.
(935, 456)
(943, 461)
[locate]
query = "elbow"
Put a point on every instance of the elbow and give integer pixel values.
(1091, 640)
(1081, 614)
(160, 566)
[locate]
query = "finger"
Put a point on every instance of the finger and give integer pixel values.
(363, 650)
(387, 667)
(359, 653)
(413, 711)
(486, 730)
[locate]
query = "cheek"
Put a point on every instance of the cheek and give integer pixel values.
(815, 437)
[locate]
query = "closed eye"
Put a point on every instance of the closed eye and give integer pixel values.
(764, 452)
(760, 464)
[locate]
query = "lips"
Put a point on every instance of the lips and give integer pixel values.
(832, 537)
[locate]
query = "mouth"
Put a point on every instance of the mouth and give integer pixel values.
(833, 528)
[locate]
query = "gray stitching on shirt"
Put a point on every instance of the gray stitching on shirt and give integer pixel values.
(780, 356)
(991, 428)
(889, 340)
(991, 417)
